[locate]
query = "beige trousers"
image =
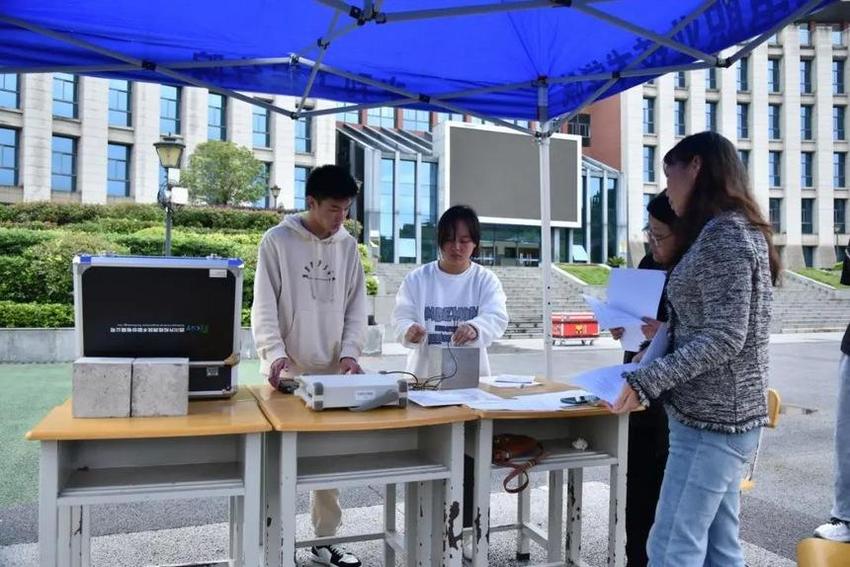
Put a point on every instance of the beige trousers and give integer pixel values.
(325, 512)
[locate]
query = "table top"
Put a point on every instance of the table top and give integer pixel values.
(237, 415)
(288, 412)
(546, 387)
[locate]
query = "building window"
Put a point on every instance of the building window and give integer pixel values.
(837, 35)
(838, 115)
(839, 170)
(120, 113)
(838, 76)
(744, 156)
(809, 256)
(521, 123)
(805, 34)
(418, 120)
(775, 168)
(743, 120)
(349, 116)
(839, 216)
(680, 112)
(216, 117)
(300, 186)
(405, 211)
(743, 74)
(383, 117)
(8, 157)
(773, 40)
(681, 80)
(807, 167)
(647, 197)
(776, 215)
(169, 109)
(806, 76)
(774, 75)
(386, 217)
(304, 135)
(9, 91)
(711, 116)
(649, 164)
(64, 164)
(711, 78)
(64, 95)
(807, 216)
(118, 171)
(806, 116)
(446, 116)
(265, 176)
(648, 115)
(260, 132)
(773, 121)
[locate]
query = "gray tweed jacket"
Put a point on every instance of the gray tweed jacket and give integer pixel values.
(719, 298)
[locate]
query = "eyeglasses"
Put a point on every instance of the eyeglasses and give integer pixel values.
(656, 238)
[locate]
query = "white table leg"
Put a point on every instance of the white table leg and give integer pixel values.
(574, 503)
(389, 523)
(483, 446)
(448, 517)
(48, 488)
(235, 515)
(411, 522)
(425, 534)
(523, 513)
(250, 503)
(617, 498)
(556, 516)
(288, 495)
(271, 512)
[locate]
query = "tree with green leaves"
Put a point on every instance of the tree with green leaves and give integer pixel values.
(222, 173)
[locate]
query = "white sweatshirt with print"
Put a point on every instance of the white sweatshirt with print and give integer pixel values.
(309, 299)
(440, 301)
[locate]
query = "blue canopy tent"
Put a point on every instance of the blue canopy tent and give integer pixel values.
(541, 60)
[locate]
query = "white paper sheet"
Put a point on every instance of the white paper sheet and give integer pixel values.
(436, 398)
(494, 383)
(631, 295)
(606, 382)
(550, 401)
(632, 338)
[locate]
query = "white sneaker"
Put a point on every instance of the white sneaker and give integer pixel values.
(836, 530)
(333, 555)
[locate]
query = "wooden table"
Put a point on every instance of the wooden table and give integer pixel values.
(607, 437)
(213, 451)
(313, 450)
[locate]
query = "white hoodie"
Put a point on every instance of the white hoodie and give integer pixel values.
(309, 299)
(440, 301)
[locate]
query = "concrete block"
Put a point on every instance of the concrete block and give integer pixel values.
(101, 387)
(160, 387)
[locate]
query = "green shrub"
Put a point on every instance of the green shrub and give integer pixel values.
(222, 217)
(246, 316)
(17, 280)
(616, 261)
(371, 285)
(50, 263)
(13, 241)
(114, 225)
(35, 315)
(353, 227)
(368, 268)
(54, 213)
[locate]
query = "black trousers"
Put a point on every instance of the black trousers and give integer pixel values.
(648, 447)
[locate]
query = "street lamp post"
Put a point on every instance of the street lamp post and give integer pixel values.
(170, 150)
(275, 191)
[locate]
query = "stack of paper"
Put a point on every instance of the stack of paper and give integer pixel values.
(509, 381)
(631, 295)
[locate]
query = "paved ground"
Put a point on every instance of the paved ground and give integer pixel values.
(792, 495)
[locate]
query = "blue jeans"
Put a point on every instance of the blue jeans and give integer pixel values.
(841, 507)
(696, 523)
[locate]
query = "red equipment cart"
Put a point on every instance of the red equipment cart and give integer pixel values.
(582, 326)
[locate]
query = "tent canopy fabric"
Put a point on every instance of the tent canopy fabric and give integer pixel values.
(520, 59)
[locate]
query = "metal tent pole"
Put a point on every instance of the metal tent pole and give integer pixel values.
(545, 222)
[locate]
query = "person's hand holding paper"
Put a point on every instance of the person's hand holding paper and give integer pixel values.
(632, 295)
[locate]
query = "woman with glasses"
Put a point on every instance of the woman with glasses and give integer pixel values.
(714, 379)
(648, 429)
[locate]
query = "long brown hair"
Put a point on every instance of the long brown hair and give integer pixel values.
(721, 185)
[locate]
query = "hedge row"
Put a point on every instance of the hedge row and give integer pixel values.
(35, 315)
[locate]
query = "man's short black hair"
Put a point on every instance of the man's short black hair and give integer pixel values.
(330, 182)
(449, 220)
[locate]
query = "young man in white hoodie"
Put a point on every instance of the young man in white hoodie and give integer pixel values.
(309, 311)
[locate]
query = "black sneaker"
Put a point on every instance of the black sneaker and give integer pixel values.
(333, 555)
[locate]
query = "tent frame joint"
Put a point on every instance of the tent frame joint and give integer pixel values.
(148, 65)
(364, 16)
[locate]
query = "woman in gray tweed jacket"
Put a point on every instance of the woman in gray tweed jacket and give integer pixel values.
(714, 379)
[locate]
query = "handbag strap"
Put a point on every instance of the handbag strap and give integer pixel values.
(521, 472)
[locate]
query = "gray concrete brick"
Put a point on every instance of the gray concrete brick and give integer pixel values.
(160, 387)
(101, 387)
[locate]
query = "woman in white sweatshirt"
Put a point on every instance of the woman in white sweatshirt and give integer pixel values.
(452, 300)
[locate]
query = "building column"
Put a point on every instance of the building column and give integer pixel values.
(790, 124)
(36, 137)
(283, 148)
(194, 119)
(144, 163)
(824, 255)
(631, 126)
(93, 98)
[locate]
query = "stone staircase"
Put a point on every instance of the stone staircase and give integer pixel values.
(799, 304)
